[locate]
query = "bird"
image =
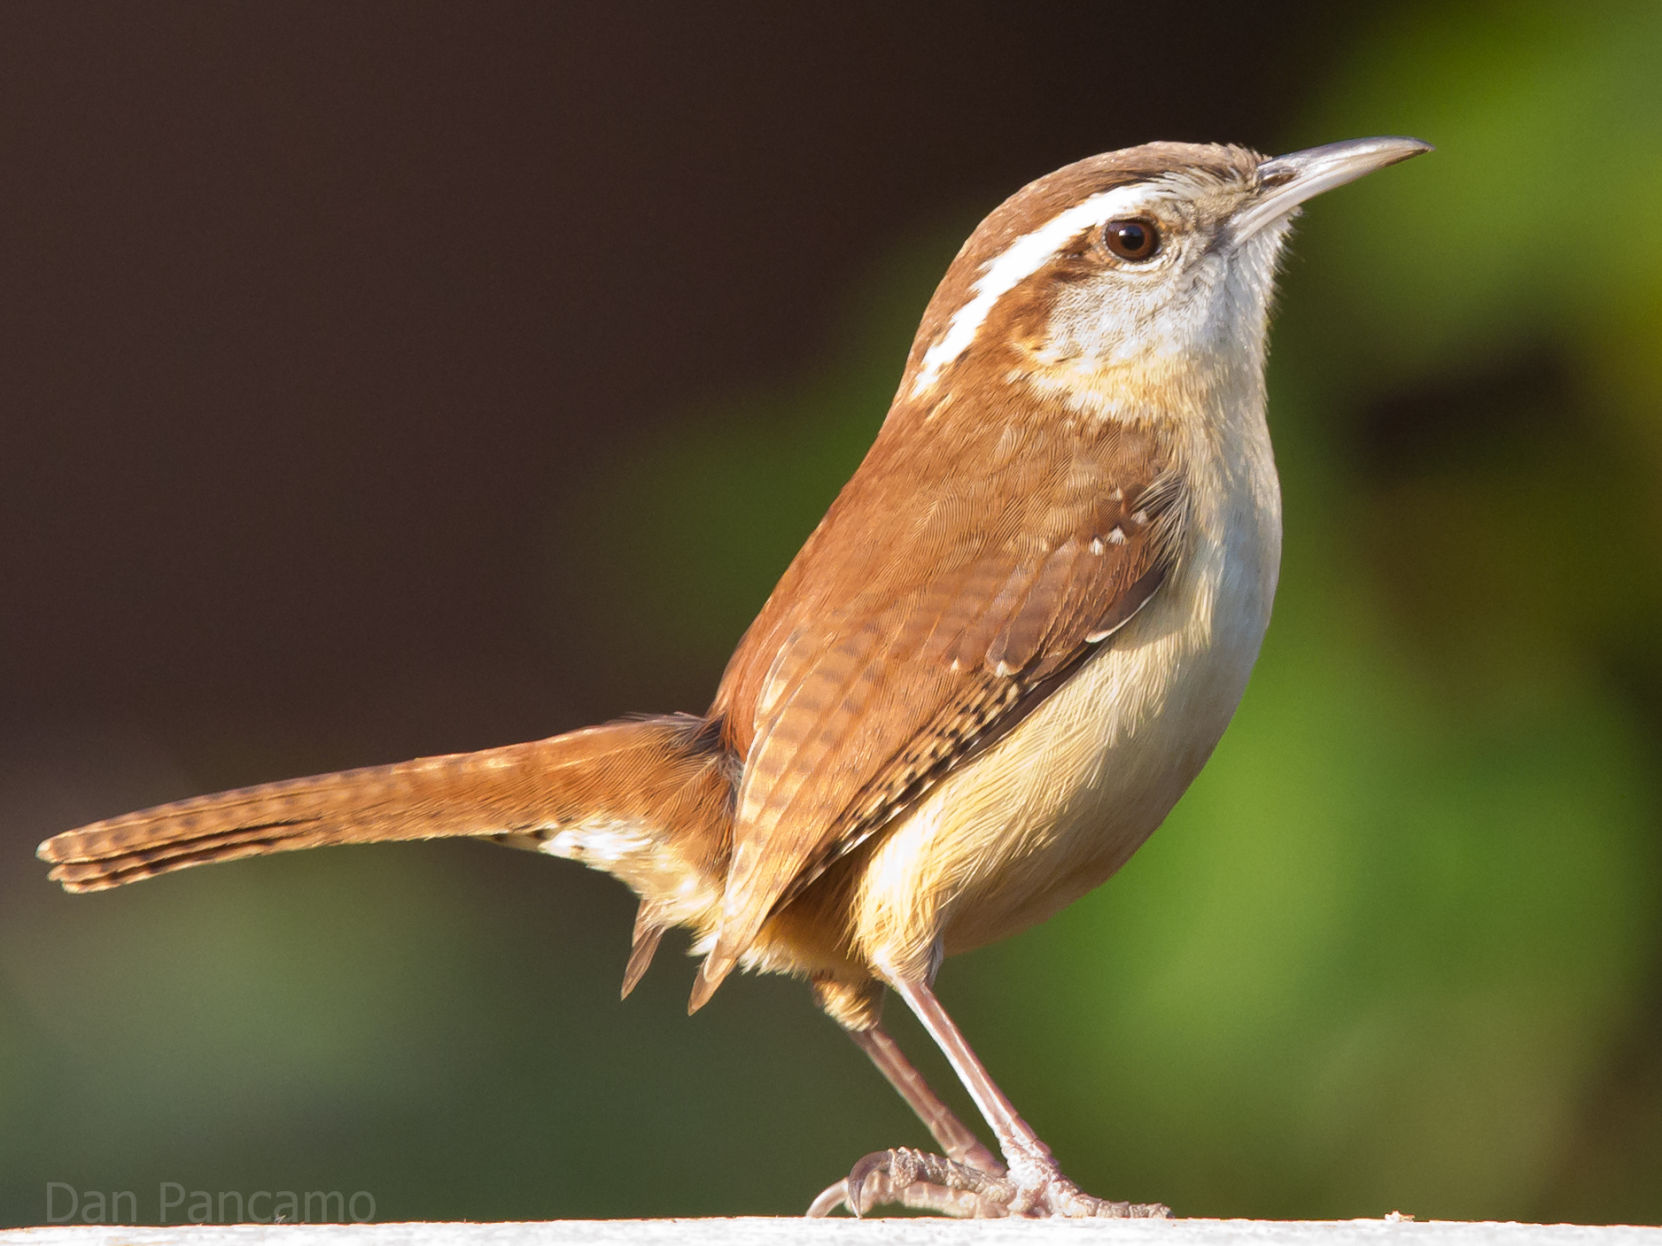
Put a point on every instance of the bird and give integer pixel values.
(992, 669)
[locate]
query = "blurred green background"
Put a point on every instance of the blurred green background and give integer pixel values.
(399, 380)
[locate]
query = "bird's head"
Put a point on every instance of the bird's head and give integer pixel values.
(1123, 274)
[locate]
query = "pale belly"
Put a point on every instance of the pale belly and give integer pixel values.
(1060, 803)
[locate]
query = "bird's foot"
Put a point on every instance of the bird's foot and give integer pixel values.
(1034, 1188)
(904, 1177)
(1055, 1195)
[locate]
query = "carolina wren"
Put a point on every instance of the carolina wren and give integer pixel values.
(994, 667)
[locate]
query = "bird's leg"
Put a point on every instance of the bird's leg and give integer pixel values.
(964, 1151)
(1032, 1186)
(1021, 1146)
(955, 1138)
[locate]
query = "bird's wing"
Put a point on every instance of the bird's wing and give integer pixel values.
(948, 591)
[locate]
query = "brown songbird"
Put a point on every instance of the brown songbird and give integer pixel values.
(994, 667)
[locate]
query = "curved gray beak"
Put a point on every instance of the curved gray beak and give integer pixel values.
(1287, 181)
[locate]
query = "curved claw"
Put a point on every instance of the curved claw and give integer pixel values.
(830, 1198)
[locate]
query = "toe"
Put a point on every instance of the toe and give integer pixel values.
(916, 1179)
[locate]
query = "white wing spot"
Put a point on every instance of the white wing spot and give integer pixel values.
(602, 843)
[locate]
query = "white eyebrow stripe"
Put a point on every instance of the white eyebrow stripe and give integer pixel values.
(1015, 264)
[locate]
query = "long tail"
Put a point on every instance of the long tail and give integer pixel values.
(648, 800)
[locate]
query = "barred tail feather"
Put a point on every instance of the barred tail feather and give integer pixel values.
(648, 800)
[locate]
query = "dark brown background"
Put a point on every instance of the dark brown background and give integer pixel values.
(311, 309)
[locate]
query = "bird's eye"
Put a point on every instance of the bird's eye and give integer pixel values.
(1131, 239)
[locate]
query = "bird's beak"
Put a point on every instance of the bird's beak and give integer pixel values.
(1287, 181)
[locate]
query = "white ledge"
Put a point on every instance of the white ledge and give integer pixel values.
(787, 1231)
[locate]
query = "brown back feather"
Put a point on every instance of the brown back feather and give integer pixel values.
(856, 690)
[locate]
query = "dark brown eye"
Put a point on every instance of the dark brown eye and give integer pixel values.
(1131, 239)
